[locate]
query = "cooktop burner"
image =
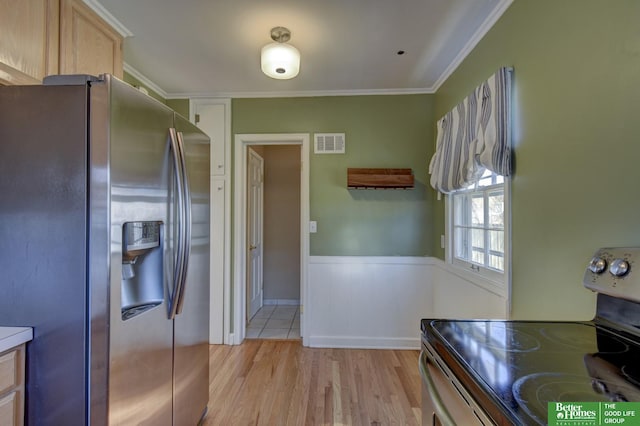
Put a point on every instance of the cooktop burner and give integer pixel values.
(526, 364)
(491, 335)
(534, 391)
(579, 336)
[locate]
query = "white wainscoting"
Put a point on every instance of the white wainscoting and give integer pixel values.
(457, 294)
(378, 302)
(367, 302)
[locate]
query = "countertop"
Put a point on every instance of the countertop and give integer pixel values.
(10, 337)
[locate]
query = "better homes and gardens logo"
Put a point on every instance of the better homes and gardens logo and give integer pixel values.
(575, 413)
(593, 413)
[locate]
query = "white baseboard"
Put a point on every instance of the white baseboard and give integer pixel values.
(353, 342)
(231, 339)
(288, 302)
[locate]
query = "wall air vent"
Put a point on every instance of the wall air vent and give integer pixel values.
(329, 143)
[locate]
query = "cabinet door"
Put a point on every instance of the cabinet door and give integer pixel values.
(214, 121)
(29, 41)
(88, 45)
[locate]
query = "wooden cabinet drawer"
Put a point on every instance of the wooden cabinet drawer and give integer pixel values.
(12, 386)
(8, 370)
(10, 410)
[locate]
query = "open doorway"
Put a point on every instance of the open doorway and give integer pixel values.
(273, 240)
(270, 259)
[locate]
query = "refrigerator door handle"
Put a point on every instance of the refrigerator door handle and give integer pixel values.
(180, 237)
(187, 222)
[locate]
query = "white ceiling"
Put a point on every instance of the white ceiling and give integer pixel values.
(212, 47)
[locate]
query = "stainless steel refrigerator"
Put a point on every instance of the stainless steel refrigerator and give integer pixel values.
(104, 251)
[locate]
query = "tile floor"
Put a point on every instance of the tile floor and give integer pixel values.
(275, 322)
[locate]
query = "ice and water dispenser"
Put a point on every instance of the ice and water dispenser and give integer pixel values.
(142, 266)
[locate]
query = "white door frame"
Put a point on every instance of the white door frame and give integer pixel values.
(242, 142)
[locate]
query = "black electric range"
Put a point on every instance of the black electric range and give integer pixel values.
(512, 369)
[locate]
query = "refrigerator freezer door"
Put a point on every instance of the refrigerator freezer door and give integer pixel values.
(191, 351)
(43, 222)
(141, 190)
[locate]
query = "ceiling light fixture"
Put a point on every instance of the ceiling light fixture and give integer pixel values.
(280, 60)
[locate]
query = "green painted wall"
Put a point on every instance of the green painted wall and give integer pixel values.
(381, 131)
(576, 141)
(181, 106)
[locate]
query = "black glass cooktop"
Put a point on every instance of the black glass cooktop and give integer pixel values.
(524, 365)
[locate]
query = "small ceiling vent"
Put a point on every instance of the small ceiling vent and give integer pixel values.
(329, 143)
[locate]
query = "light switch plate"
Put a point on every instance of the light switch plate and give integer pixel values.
(313, 227)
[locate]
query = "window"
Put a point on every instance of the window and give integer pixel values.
(478, 226)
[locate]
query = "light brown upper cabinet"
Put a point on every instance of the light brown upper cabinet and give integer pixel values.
(28, 40)
(88, 45)
(43, 37)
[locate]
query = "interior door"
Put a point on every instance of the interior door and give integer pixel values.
(255, 184)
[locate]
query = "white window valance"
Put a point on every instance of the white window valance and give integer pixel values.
(474, 136)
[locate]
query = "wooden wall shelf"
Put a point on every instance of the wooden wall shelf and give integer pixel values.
(379, 178)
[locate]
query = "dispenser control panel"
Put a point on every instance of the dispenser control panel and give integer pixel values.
(141, 235)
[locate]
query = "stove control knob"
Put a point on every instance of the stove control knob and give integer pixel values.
(619, 268)
(597, 265)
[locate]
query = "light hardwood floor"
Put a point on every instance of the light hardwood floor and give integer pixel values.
(266, 382)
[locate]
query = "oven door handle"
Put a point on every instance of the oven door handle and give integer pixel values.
(441, 410)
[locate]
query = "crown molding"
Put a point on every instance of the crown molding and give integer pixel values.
(300, 94)
(108, 17)
(143, 79)
(296, 94)
(488, 23)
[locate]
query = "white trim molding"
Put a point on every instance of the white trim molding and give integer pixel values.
(144, 80)
(281, 302)
(108, 17)
(241, 144)
(303, 93)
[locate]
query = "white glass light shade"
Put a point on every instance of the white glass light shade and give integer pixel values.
(280, 61)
